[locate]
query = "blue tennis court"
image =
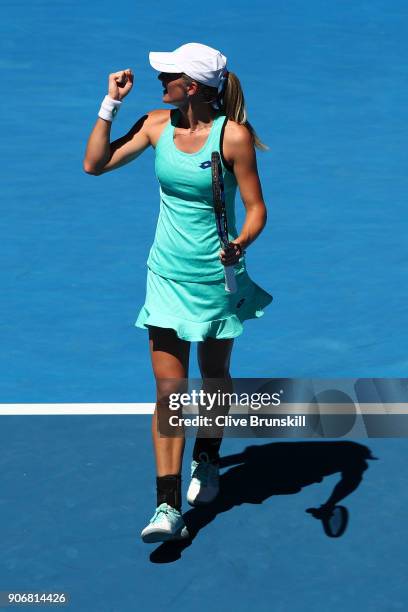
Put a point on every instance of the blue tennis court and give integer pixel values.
(326, 89)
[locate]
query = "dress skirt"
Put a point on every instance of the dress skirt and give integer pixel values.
(200, 310)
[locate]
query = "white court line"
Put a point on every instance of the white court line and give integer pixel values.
(140, 408)
(74, 409)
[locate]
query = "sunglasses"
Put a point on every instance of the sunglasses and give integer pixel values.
(169, 76)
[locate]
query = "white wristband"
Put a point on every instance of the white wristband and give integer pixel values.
(109, 108)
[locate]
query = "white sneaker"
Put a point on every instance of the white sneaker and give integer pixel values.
(166, 524)
(205, 481)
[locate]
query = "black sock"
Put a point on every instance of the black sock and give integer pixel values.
(169, 490)
(210, 446)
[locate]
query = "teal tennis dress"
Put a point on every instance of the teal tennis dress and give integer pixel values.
(185, 277)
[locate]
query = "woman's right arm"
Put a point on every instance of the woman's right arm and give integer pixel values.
(101, 155)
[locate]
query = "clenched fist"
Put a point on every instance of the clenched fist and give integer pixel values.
(120, 83)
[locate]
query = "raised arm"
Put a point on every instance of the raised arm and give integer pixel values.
(101, 155)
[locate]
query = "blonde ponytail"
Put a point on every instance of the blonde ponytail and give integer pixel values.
(232, 104)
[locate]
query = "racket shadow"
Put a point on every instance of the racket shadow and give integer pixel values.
(278, 468)
(334, 520)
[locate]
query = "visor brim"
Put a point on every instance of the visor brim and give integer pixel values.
(163, 62)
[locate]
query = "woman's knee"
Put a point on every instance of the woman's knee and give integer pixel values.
(168, 390)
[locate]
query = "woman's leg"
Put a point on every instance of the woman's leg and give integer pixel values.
(170, 360)
(214, 361)
(170, 357)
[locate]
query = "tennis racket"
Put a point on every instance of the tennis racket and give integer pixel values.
(221, 217)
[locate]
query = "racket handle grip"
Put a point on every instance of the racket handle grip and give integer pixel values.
(230, 280)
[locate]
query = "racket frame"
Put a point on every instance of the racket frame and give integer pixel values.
(221, 217)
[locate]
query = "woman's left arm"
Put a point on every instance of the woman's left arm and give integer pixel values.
(239, 151)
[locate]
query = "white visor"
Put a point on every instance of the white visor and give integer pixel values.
(203, 64)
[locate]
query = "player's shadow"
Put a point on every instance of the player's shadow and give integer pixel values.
(278, 468)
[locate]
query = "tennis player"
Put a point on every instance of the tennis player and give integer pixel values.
(186, 299)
